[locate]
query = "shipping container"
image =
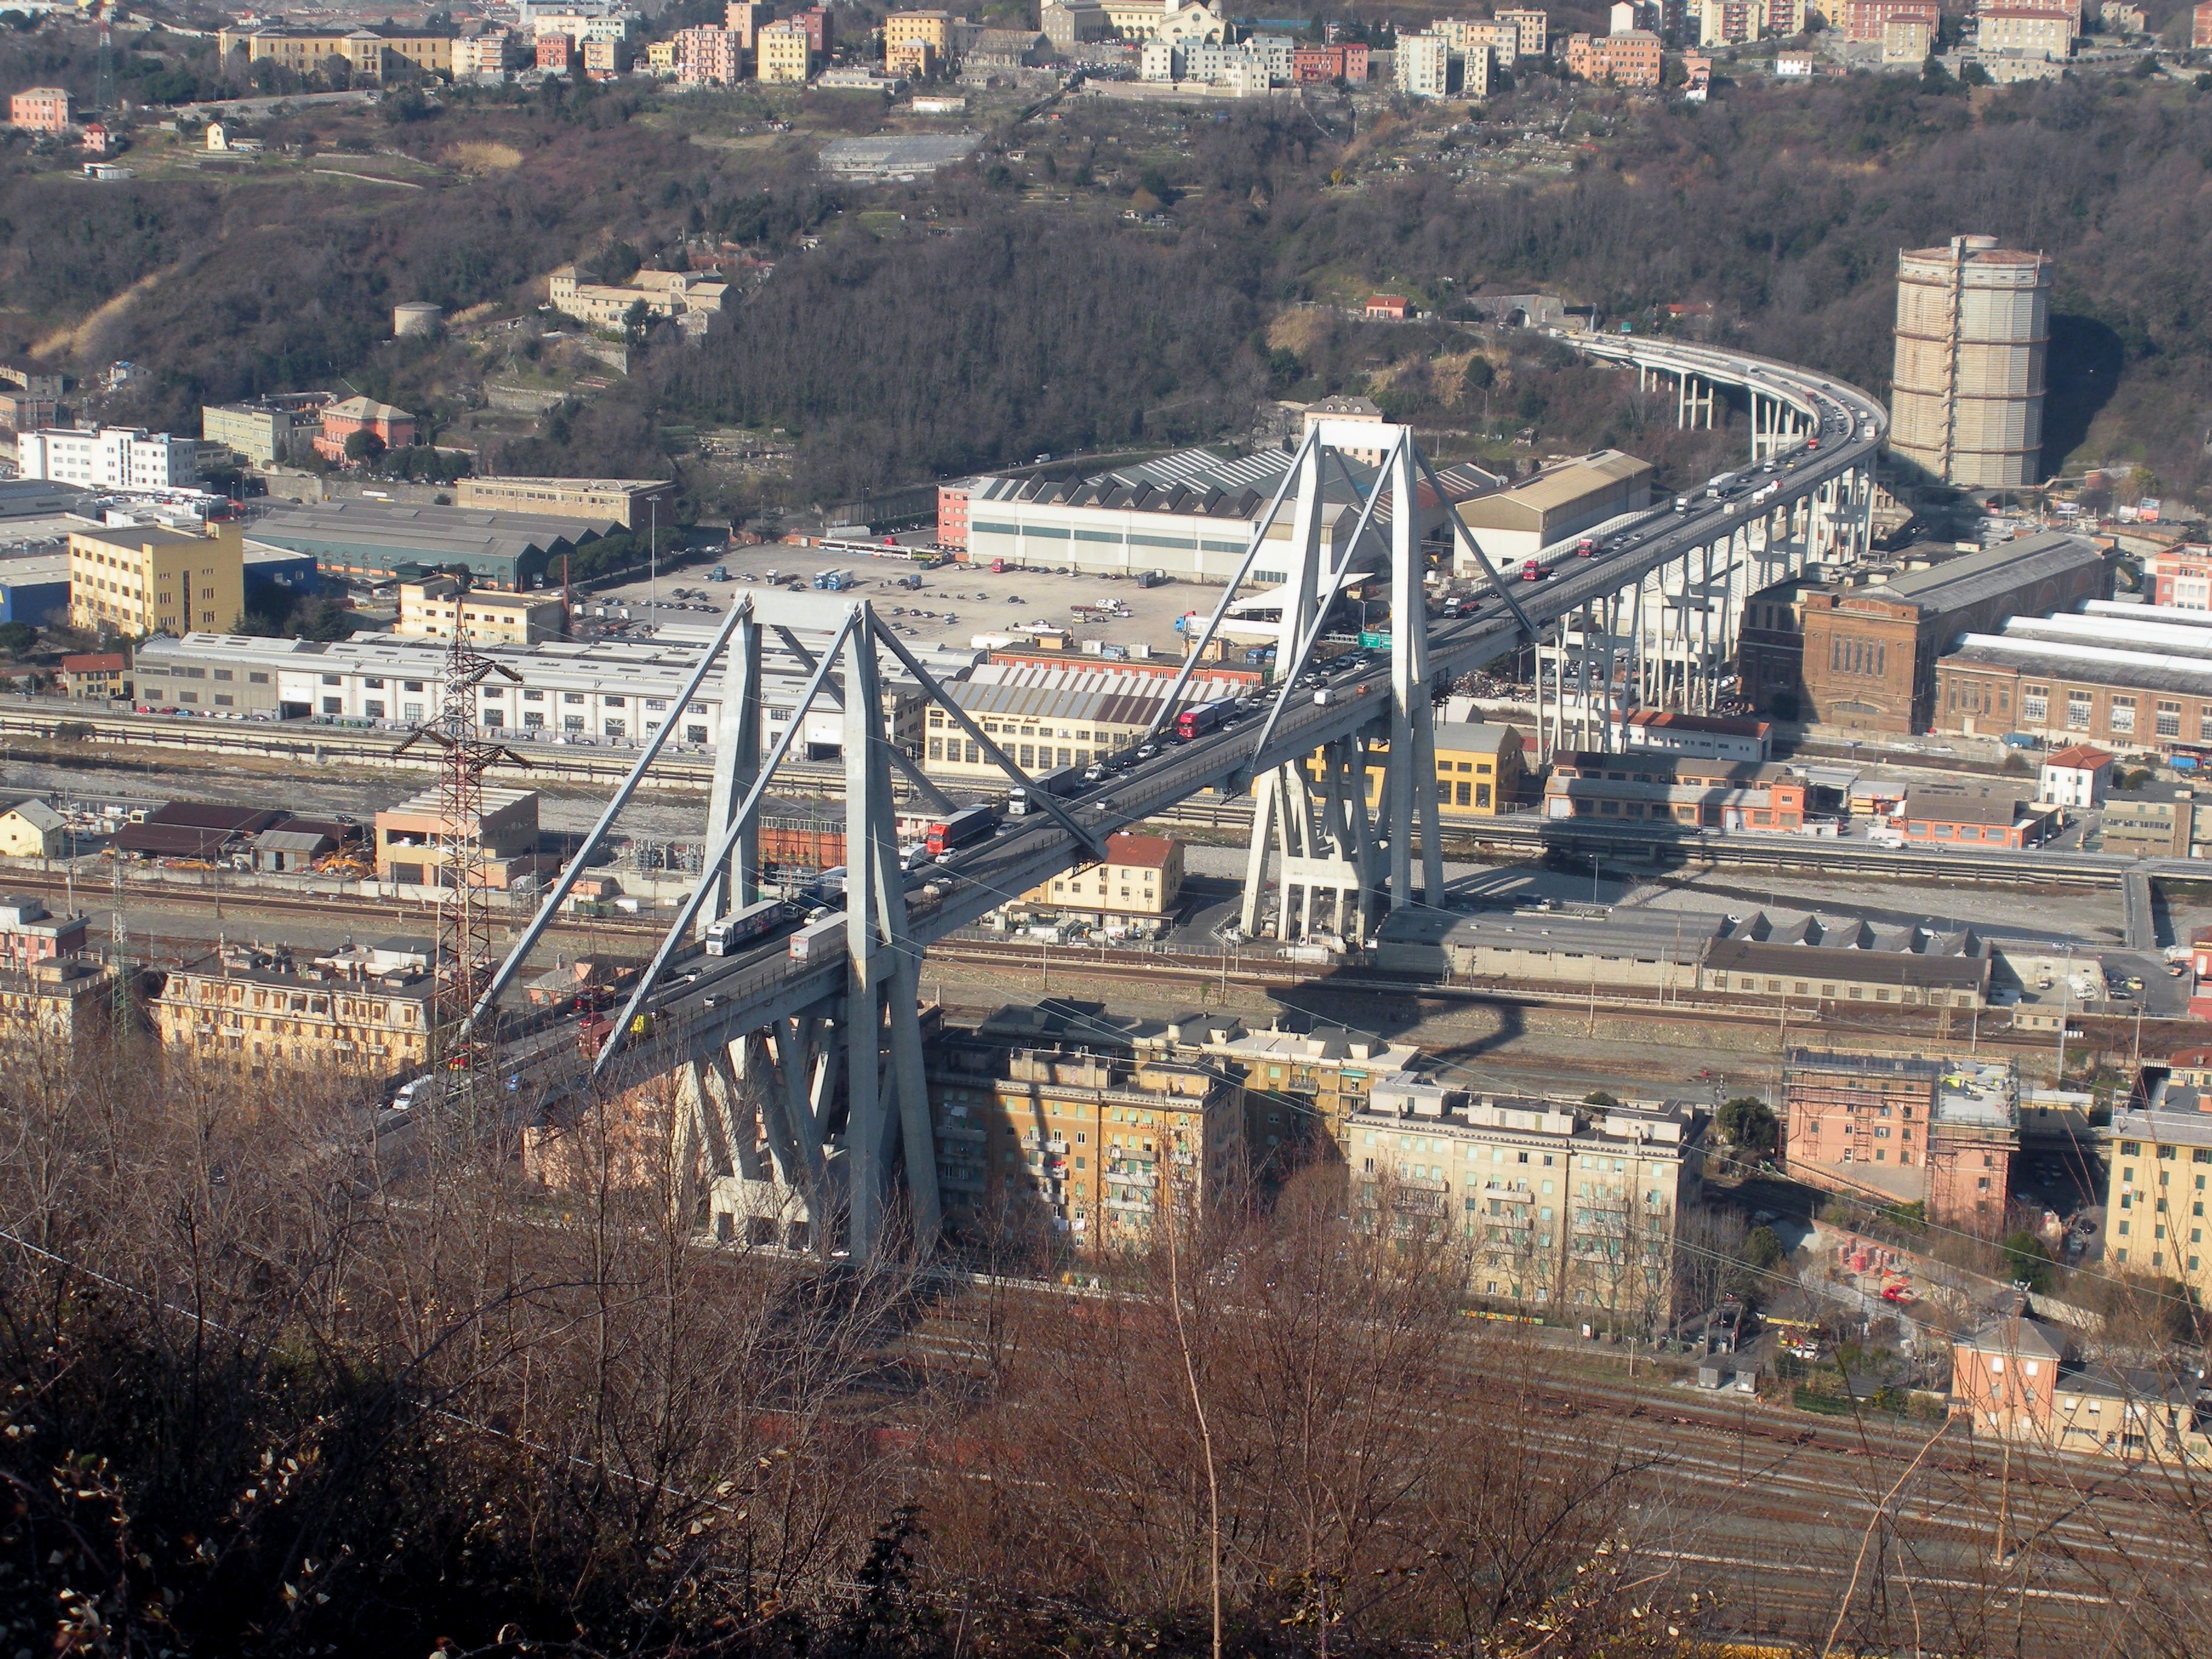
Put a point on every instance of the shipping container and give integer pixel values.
(970, 823)
(755, 922)
(818, 941)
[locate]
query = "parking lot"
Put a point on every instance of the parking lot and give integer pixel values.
(954, 603)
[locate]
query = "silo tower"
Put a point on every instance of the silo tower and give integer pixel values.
(1972, 328)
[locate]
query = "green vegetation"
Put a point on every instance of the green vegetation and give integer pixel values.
(1750, 1125)
(2031, 1264)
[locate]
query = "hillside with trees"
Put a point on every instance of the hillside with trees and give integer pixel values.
(1120, 277)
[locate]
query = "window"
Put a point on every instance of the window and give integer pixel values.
(334, 705)
(2035, 702)
(572, 696)
(532, 720)
(527, 696)
(373, 707)
(2169, 720)
(2077, 711)
(2123, 717)
(695, 734)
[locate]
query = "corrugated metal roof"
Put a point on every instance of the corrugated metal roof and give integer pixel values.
(2087, 664)
(2113, 632)
(1957, 583)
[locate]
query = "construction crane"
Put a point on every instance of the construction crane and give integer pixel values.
(463, 957)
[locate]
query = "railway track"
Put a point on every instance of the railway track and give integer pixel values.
(1784, 1519)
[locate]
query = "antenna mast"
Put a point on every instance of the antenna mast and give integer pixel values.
(463, 957)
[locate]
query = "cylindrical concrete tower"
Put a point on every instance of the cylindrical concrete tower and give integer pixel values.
(414, 317)
(1972, 324)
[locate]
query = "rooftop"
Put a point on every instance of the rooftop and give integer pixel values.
(1969, 580)
(2082, 665)
(1637, 934)
(1144, 851)
(2078, 757)
(1899, 968)
(134, 536)
(1935, 807)
(2016, 1334)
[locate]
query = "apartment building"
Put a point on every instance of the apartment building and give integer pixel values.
(273, 432)
(30, 933)
(2078, 776)
(705, 56)
(556, 52)
(1301, 1087)
(41, 109)
(605, 59)
(1322, 65)
(1905, 1129)
(108, 458)
(1141, 879)
(2026, 29)
(2158, 1151)
(1730, 23)
(63, 999)
(1092, 1142)
(1627, 59)
(1469, 37)
(580, 26)
(1561, 1206)
(141, 579)
(1424, 65)
(785, 53)
(494, 51)
(2018, 1377)
(931, 29)
(744, 19)
(273, 1010)
(574, 293)
(1864, 20)
(439, 608)
(1532, 29)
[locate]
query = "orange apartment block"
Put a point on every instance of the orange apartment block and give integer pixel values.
(40, 109)
(1630, 58)
(1906, 1129)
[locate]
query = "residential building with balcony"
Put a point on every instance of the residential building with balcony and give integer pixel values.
(784, 52)
(271, 1011)
(1086, 1138)
(1141, 879)
(1572, 1208)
